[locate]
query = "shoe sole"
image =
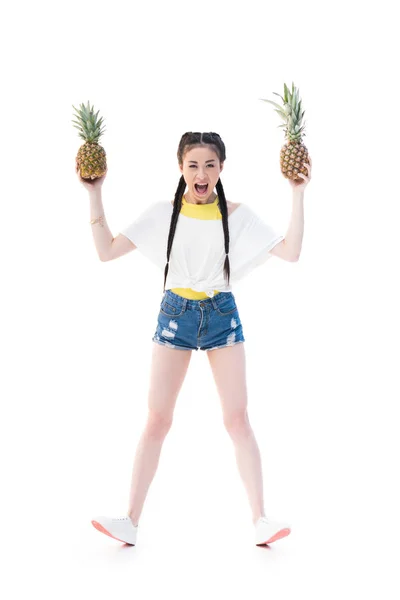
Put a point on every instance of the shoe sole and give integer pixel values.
(100, 528)
(280, 534)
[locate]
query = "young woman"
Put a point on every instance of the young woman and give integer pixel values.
(203, 243)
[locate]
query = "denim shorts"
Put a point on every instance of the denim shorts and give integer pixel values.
(203, 324)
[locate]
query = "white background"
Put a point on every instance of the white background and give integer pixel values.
(322, 334)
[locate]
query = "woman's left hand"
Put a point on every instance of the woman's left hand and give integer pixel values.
(306, 179)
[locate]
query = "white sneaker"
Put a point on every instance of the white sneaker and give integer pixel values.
(121, 529)
(269, 531)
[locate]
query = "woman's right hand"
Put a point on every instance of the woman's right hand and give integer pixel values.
(88, 184)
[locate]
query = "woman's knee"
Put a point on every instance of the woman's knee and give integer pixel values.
(158, 423)
(237, 423)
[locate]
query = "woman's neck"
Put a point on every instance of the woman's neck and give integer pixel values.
(209, 201)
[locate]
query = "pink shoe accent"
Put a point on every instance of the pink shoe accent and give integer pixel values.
(280, 534)
(101, 528)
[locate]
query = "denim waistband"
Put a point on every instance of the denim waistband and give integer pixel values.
(188, 303)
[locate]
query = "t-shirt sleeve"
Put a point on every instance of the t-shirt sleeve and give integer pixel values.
(148, 233)
(253, 244)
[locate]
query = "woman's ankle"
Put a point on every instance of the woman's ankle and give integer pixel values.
(256, 517)
(134, 520)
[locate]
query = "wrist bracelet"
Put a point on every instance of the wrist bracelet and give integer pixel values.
(98, 220)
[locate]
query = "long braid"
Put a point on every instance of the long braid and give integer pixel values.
(174, 220)
(188, 141)
(224, 212)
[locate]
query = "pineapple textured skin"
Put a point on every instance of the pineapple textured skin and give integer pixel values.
(91, 160)
(294, 155)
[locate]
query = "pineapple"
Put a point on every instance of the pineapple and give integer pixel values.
(294, 154)
(91, 157)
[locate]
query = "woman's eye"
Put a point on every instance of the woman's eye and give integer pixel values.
(195, 166)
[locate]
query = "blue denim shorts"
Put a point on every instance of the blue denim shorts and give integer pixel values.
(203, 324)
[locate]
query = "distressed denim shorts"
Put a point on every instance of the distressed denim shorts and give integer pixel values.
(203, 324)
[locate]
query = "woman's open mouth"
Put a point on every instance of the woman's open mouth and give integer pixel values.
(201, 189)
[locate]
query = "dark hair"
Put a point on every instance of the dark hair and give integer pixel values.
(188, 141)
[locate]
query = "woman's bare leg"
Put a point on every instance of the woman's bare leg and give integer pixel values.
(229, 370)
(168, 370)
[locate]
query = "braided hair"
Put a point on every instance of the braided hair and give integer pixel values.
(188, 141)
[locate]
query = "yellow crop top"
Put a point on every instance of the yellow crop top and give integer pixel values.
(198, 211)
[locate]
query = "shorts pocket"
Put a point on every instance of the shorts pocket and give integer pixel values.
(170, 310)
(227, 306)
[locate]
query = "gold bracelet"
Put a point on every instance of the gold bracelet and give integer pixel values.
(98, 220)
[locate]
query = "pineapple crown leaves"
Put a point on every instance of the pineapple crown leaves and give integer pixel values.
(88, 123)
(290, 113)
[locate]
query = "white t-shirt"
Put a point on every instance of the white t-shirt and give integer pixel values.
(198, 252)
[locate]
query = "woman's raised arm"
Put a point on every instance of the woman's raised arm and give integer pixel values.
(107, 247)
